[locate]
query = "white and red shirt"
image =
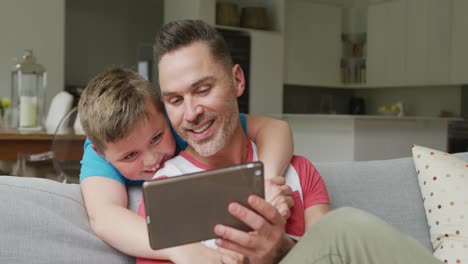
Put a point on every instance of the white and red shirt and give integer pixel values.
(305, 181)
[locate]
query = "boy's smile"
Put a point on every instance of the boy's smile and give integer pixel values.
(145, 149)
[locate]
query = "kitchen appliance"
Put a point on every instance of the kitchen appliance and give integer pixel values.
(458, 137)
(357, 106)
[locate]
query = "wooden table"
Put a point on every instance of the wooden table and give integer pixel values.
(12, 142)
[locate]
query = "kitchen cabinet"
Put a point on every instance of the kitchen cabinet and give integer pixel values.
(386, 44)
(459, 43)
(428, 41)
(312, 39)
(409, 42)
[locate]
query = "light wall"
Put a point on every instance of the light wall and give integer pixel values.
(37, 25)
(105, 33)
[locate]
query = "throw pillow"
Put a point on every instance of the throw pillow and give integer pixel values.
(443, 180)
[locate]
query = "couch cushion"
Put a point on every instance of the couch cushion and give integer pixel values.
(443, 180)
(388, 189)
(43, 221)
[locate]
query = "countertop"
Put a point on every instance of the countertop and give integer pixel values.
(368, 117)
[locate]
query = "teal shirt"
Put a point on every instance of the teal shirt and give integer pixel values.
(94, 165)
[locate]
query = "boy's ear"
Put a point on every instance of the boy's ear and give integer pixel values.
(97, 150)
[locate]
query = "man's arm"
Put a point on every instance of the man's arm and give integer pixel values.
(264, 131)
(314, 213)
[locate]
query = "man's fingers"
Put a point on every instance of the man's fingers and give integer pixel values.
(265, 209)
(236, 236)
(226, 244)
(249, 217)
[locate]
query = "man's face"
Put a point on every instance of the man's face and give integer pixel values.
(200, 96)
(143, 151)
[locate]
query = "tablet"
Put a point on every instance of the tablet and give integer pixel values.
(184, 209)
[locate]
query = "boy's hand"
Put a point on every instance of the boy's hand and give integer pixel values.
(278, 194)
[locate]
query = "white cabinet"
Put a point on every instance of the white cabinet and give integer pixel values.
(459, 45)
(409, 42)
(312, 43)
(428, 34)
(386, 44)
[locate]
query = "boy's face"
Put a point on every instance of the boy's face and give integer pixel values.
(148, 145)
(200, 96)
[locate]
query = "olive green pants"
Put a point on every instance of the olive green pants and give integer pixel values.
(351, 236)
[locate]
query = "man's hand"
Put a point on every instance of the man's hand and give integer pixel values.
(268, 242)
(231, 257)
(278, 194)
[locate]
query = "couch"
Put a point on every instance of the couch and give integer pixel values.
(43, 221)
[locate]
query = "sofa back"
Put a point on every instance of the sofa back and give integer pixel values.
(388, 189)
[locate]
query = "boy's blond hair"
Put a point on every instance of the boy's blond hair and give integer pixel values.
(113, 103)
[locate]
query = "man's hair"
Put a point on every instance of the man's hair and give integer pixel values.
(181, 33)
(113, 103)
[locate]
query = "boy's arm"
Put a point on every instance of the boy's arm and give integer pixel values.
(275, 143)
(106, 204)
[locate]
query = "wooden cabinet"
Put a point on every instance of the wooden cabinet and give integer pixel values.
(312, 43)
(459, 43)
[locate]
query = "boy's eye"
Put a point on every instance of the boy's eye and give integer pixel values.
(130, 156)
(156, 138)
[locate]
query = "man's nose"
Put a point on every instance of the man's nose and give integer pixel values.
(192, 110)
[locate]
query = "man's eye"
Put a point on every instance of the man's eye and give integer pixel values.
(130, 156)
(175, 100)
(203, 90)
(156, 138)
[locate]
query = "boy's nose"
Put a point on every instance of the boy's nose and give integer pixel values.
(152, 158)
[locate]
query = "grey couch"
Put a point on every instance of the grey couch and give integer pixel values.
(43, 221)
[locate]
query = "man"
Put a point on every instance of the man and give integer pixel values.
(199, 86)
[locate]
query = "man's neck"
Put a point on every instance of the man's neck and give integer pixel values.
(234, 152)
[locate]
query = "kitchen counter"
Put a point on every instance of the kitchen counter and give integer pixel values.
(367, 117)
(364, 137)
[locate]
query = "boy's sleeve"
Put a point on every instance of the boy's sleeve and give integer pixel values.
(93, 164)
(243, 121)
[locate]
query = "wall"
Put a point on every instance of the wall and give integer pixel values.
(98, 37)
(37, 25)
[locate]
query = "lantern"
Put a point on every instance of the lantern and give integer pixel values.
(28, 93)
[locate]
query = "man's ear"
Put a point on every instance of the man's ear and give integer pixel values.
(99, 152)
(239, 79)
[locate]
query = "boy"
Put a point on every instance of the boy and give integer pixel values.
(131, 138)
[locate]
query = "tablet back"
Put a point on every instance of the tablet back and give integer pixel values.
(185, 209)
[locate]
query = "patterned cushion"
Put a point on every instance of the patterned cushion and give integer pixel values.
(443, 180)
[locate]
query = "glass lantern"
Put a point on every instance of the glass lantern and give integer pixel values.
(28, 93)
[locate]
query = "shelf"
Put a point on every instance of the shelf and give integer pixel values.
(247, 29)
